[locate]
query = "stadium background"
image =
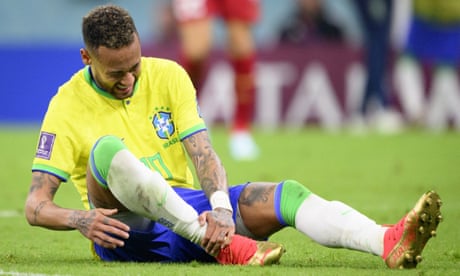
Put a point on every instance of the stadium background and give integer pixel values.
(380, 175)
(39, 43)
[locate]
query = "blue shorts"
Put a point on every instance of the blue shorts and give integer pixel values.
(434, 43)
(159, 244)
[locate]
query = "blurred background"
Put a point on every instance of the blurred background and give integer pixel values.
(313, 61)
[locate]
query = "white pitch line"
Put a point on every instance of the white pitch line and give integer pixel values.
(16, 273)
(9, 214)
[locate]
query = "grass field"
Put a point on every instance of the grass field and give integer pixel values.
(382, 176)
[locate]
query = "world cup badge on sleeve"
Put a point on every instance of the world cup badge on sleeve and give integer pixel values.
(45, 145)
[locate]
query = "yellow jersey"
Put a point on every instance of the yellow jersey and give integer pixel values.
(445, 12)
(162, 111)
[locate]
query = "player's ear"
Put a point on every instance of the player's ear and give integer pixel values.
(85, 57)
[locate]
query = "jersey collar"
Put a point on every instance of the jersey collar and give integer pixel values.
(89, 79)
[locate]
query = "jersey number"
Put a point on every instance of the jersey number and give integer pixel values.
(156, 163)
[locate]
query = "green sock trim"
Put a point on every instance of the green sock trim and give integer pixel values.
(101, 157)
(293, 195)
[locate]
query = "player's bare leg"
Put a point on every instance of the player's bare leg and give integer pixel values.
(267, 207)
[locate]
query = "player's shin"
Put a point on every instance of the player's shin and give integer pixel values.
(330, 223)
(335, 224)
(141, 190)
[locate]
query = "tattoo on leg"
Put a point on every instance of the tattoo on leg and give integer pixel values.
(99, 203)
(256, 193)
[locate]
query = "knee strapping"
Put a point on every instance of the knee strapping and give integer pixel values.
(101, 156)
(291, 195)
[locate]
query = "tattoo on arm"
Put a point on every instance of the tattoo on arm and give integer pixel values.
(38, 209)
(49, 184)
(209, 168)
(42, 180)
(81, 220)
(222, 220)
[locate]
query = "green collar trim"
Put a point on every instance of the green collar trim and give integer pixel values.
(89, 79)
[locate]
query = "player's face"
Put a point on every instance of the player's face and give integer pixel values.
(116, 70)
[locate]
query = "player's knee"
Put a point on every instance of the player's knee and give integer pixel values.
(101, 157)
(291, 196)
(107, 143)
(294, 188)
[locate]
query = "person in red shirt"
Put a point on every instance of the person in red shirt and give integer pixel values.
(194, 18)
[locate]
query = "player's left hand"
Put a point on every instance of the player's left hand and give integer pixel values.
(220, 231)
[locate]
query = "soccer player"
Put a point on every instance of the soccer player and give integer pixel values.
(121, 129)
(430, 21)
(194, 19)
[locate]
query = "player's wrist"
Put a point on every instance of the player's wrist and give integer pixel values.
(220, 199)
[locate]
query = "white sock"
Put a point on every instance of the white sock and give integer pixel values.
(334, 224)
(147, 193)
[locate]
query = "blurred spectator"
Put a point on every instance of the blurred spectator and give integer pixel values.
(434, 41)
(166, 24)
(376, 109)
(308, 23)
(195, 30)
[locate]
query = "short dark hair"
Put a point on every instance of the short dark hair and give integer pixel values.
(109, 26)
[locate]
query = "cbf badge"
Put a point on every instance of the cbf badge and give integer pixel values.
(45, 145)
(163, 124)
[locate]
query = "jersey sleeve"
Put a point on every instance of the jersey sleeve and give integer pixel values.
(189, 119)
(56, 151)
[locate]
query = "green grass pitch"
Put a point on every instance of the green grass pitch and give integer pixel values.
(382, 176)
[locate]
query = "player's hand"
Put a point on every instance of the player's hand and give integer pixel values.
(96, 225)
(220, 231)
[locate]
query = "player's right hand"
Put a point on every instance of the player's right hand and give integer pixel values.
(97, 226)
(220, 230)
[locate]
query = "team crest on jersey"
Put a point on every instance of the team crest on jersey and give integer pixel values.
(163, 124)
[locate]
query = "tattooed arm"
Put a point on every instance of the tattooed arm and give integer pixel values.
(210, 172)
(40, 210)
(213, 178)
